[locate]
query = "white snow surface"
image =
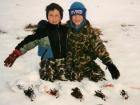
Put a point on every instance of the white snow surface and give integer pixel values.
(119, 21)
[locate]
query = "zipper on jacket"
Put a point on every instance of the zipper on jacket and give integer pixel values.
(59, 42)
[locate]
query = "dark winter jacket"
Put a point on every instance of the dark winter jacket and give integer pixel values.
(53, 37)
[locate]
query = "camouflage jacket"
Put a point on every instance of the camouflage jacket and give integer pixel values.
(85, 46)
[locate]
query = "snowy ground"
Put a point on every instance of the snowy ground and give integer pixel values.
(119, 21)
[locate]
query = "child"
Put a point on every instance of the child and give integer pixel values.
(84, 46)
(52, 36)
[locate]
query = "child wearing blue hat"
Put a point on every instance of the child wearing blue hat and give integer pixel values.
(84, 47)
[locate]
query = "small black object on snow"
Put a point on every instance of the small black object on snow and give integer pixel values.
(100, 94)
(30, 93)
(124, 94)
(77, 93)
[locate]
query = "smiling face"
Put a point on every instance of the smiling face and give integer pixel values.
(54, 17)
(77, 19)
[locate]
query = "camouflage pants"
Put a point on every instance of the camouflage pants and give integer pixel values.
(53, 69)
(56, 70)
(90, 70)
(94, 72)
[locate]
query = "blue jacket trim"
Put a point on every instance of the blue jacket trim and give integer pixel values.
(45, 52)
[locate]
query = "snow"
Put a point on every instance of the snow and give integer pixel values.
(119, 21)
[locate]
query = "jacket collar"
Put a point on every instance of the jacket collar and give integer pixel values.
(53, 25)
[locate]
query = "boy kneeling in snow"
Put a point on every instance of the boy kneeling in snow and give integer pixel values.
(50, 35)
(84, 46)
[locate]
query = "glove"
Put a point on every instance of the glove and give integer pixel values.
(12, 57)
(113, 70)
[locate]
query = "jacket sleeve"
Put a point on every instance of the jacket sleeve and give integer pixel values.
(100, 49)
(32, 41)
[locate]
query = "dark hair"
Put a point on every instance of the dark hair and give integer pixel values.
(53, 6)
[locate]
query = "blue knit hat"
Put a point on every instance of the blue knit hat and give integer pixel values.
(77, 8)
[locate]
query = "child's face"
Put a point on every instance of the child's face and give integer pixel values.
(77, 19)
(54, 17)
